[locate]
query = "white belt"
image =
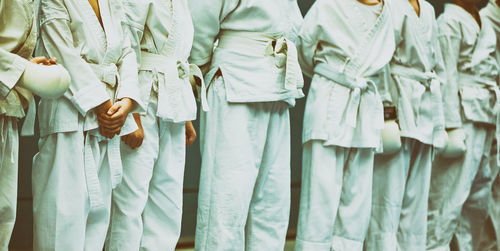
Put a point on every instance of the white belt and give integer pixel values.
(28, 128)
(91, 169)
(283, 50)
(107, 73)
(174, 71)
(431, 82)
(357, 85)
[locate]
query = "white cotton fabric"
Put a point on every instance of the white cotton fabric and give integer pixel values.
(244, 198)
(470, 99)
(17, 42)
(63, 216)
(460, 207)
(254, 77)
(102, 66)
(358, 52)
(9, 146)
(346, 57)
(401, 180)
(492, 13)
(246, 61)
(334, 195)
(400, 198)
(147, 206)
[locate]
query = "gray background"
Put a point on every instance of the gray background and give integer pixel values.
(23, 234)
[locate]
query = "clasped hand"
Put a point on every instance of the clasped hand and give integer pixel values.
(111, 117)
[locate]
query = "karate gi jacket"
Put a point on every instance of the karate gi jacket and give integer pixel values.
(17, 42)
(254, 43)
(470, 92)
(162, 36)
(348, 59)
(417, 71)
(99, 59)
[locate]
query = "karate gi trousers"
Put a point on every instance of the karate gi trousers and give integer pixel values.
(335, 198)
(490, 238)
(460, 192)
(146, 212)
(63, 217)
(244, 197)
(9, 145)
(400, 198)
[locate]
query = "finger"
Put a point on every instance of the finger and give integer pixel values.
(118, 114)
(128, 142)
(134, 143)
(114, 108)
(110, 124)
(39, 60)
(139, 143)
(53, 60)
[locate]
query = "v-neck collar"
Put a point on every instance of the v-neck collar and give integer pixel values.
(418, 16)
(93, 21)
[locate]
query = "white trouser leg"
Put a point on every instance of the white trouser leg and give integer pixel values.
(353, 216)
(475, 209)
(9, 146)
(234, 143)
(335, 197)
(452, 183)
(130, 196)
(61, 206)
(413, 220)
(400, 195)
(490, 237)
(163, 212)
(269, 212)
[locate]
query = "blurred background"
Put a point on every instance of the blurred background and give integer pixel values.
(22, 238)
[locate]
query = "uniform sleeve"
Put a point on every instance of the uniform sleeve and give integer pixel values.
(136, 13)
(129, 80)
(134, 20)
(308, 41)
(56, 40)
(11, 32)
(207, 18)
(449, 41)
(11, 69)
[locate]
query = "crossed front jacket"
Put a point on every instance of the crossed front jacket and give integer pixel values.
(347, 57)
(99, 59)
(161, 34)
(254, 43)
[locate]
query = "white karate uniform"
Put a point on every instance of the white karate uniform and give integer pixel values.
(401, 180)
(254, 76)
(346, 56)
(492, 237)
(76, 168)
(147, 205)
(460, 187)
(17, 42)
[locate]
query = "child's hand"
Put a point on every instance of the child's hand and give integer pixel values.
(134, 140)
(43, 60)
(190, 133)
(113, 119)
(100, 110)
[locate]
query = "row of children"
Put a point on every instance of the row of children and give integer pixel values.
(398, 127)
